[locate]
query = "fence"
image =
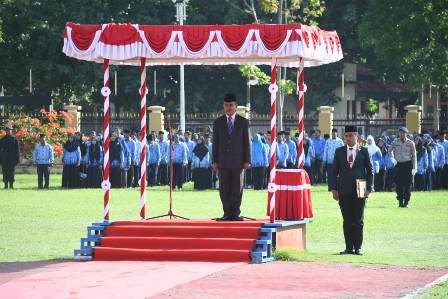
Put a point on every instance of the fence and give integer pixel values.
(200, 122)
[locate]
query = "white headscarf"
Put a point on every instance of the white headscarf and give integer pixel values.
(372, 148)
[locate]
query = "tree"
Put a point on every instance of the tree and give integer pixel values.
(410, 41)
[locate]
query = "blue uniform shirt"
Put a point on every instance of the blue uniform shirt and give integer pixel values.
(154, 153)
(71, 158)
(43, 154)
(164, 151)
(282, 154)
(180, 154)
(319, 146)
(330, 149)
(292, 148)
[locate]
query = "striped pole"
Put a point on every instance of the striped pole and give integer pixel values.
(301, 125)
(273, 88)
(143, 92)
(105, 91)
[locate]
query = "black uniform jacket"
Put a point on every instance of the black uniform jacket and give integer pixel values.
(344, 176)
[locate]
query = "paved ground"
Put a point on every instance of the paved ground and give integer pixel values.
(208, 280)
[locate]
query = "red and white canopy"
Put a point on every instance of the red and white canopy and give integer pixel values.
(202, 44)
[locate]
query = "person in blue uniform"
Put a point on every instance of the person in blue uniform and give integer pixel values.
(154, 159)
(258, 162)
(43, 158)
(180, 161)
(95, 156)
(71, 159)
(201, 166)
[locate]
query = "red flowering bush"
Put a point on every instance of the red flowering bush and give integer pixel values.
(27, 130)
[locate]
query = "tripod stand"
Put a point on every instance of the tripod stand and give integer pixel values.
(170, 212)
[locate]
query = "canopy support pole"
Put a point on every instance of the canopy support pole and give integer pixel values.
(273, 88)
(105, 91)
(301, 126)
(142, 179)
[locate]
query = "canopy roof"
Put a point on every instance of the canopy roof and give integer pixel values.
(202, 44)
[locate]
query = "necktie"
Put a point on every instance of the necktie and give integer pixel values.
(350, 156)
(229, 125)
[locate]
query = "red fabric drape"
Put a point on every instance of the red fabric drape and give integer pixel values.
(196, 37)
(120, 35)
(83, 35)
(157, 36)
(234, 36)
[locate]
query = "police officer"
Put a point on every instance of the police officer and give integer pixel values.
(9, 157)
(403, 150)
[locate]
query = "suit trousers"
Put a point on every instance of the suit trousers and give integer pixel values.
(352, 209)
(231, 183)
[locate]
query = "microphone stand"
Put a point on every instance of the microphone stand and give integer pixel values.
(170, 211)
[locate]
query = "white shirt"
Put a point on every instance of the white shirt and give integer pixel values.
(353, 152)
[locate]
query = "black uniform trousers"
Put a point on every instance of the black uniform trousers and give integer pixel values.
(94, 176)
(115, 177)
(258, 177)
(43, 174)
(352, 209)
(70, 176)
(178, 175)
(152, 174)
(137, 175)
(162, 175)
(231, 183)
(8, 173)
(130, 176)
(403, 181)
(380, 180)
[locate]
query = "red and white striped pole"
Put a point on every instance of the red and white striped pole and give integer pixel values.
(301, 88)
(273, 88)
(105, 91)
(142, 180)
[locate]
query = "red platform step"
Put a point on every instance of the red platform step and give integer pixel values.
(178, 241)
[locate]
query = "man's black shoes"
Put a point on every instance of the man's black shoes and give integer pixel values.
(348, 251)
(229, 218)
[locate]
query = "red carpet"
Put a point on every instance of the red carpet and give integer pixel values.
(164, 240)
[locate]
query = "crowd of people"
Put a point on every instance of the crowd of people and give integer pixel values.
(82, 159)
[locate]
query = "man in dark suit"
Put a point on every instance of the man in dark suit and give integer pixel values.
(231, 156)
(351, 162)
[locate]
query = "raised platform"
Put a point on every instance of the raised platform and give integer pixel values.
(192, 240)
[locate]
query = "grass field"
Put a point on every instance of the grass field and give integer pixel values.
(46, 225)
(40, 225)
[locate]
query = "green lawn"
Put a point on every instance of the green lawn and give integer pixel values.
(46, 225)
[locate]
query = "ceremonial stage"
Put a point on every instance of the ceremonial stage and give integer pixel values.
(190, 240)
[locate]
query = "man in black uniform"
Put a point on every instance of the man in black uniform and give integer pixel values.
(231, 155)
(9, 157)
(351, 162)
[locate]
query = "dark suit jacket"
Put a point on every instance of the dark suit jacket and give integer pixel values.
(344, 177)
(231, 151)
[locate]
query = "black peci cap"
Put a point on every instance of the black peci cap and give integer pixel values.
(350, 129)
(229, 98)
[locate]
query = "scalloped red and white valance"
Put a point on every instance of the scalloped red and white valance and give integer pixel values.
(202, 44)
